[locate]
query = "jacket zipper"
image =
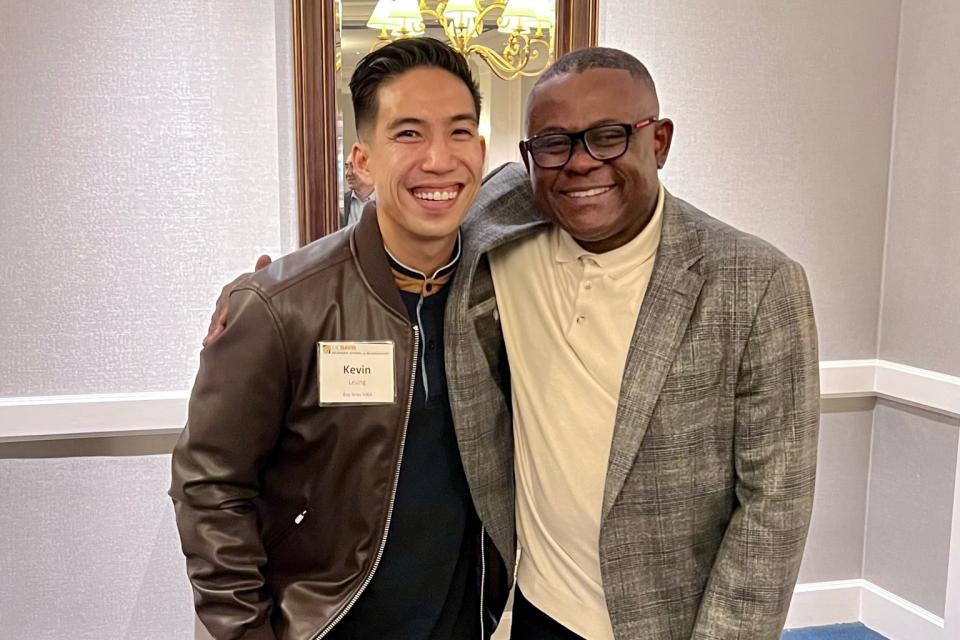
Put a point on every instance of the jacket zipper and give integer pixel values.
(423, 370)
(393, 495)
(483, 578)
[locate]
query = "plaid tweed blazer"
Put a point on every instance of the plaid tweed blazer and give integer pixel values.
(711, 472)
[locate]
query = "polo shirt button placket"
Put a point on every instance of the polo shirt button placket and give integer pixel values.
(590, 271)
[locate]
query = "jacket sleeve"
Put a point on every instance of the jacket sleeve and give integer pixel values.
(235, 415)
(777, 418)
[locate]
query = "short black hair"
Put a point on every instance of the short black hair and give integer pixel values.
(598, 58)
(396, 58)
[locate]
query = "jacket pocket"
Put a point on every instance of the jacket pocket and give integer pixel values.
(286, 528)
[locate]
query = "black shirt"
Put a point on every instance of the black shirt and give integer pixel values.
(426, 586)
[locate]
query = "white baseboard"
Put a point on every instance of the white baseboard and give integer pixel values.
(817, 604)
(84, 416)
(890, 615)
(823, 603)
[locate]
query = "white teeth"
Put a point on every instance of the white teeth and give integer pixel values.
(436, 195)
(589, 192)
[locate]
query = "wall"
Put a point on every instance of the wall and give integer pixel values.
(921, 291)
(908, 533)
(910, 504)
(835, 541)
(143, 165)
(147, 157)
(92, 543)
(783, 112)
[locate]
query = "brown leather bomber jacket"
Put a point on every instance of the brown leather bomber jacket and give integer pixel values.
(284, 506)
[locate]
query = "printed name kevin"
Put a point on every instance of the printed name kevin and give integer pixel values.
(356, 371)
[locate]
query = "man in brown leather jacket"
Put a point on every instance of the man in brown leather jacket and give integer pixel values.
(318, 484)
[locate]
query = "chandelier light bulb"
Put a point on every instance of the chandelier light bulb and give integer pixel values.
(520, 16)
(380, 19)
(462, 13)
(406, 14)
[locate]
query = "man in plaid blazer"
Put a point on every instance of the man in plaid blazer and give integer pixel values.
(703, 506)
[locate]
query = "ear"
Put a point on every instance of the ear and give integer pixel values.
(360, 157)
(662, 137)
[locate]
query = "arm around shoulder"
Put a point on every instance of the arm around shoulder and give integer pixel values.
(777, 419)
(235, 416)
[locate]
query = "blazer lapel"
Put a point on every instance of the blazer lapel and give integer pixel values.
(503, 212)
(664, 315)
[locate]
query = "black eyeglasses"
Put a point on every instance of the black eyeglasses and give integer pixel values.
(603, 142)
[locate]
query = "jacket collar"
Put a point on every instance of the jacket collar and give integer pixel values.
(367, 245)
(679, 242)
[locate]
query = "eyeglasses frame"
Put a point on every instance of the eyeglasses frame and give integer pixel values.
(628, 129)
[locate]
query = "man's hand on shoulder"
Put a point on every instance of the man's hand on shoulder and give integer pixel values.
(218, 321)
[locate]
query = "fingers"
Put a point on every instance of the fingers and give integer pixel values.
(218, 321)
(212, 334)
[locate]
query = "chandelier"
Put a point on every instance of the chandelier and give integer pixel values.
(529, 26)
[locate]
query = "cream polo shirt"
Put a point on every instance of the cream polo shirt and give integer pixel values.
(568, 317)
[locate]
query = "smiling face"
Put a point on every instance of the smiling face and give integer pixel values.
(603, 204)
(424, 156)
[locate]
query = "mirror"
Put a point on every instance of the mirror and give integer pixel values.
(507, 44)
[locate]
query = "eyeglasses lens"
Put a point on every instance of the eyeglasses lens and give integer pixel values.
(603, 143)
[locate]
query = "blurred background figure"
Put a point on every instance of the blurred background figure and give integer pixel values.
(358, 194)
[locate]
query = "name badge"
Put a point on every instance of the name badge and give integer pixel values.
(356, 373)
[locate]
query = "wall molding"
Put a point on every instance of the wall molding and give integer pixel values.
(92, 415)
(839, 601)
(150, 413)
(930, 390)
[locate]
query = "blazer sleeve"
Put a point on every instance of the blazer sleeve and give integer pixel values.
(235, 414)
(777, 419)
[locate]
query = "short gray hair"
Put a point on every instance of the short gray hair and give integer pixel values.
(598, 58)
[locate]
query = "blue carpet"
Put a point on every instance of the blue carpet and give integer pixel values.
(853, 631)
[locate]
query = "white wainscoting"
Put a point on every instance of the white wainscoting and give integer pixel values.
(823, 603)
(93, 415)
(930, 390)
